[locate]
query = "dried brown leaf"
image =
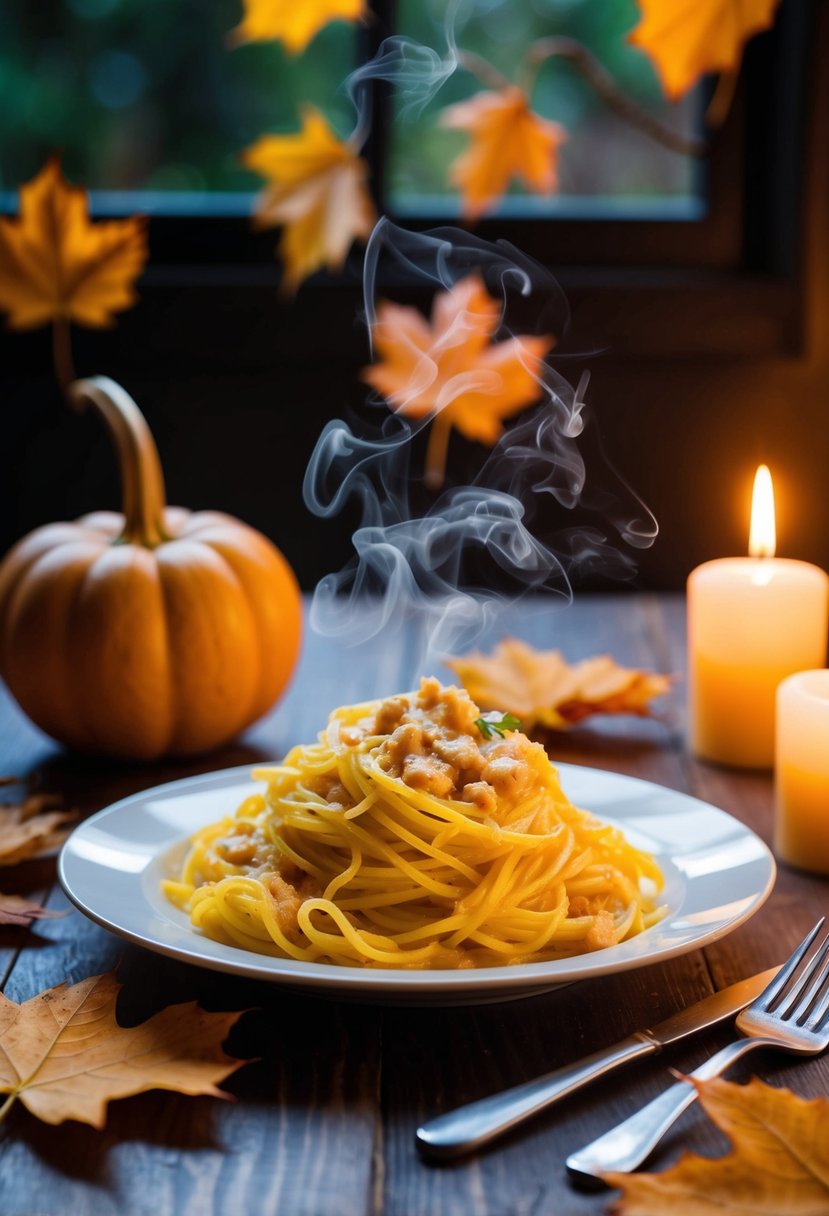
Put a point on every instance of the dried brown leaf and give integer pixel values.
(31, 827)
(64, 1056)
(778, 1163)
(16, 910)
(542, 689)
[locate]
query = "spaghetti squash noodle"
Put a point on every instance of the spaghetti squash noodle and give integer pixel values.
(415, 834)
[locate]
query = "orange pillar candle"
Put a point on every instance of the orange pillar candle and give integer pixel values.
(801, 830)
(752, 621)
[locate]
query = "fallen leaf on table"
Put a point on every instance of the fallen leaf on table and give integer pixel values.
(450, 368)
(778, 1164)
(687, 38)
(31, 827)
(57, 265)
(15, 910)
(64, 1056)
(317, 194)
(542, 689)
(508, 140)
(292, 22)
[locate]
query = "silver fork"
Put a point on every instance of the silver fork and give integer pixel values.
(792, 1017)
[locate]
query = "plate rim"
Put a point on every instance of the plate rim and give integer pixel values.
(522, 979)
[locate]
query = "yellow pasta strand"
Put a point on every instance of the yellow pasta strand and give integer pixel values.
(344, 859)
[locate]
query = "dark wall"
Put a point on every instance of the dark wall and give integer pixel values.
(685, 433)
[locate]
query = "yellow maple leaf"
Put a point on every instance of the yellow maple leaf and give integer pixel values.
(317, 194)
(64, 1056)
(292, 22)
(57, 265)
(508, 140)
(450, 369)
(687, 38)
(779, 1159)
(542, 689)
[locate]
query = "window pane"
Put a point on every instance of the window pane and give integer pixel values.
(607, 168)
(146, 95)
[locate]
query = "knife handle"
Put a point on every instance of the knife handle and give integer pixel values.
(467, 1128)
(627, 1144)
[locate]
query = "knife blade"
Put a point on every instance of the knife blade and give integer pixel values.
(469, 1127)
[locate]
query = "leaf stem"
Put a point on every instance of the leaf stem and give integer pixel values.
(62, 360)
(597, 75)
(720, 104)
(7, 1105)
(436, 452)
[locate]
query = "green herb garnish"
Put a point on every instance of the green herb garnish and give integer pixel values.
(492, 724)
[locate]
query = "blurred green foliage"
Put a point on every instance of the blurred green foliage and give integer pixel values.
(602, 157)
(147, 95)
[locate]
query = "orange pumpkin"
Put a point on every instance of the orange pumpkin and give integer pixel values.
(156, 632)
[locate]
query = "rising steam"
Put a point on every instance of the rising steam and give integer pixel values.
(478, 546)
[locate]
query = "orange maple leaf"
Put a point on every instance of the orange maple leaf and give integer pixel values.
(317, 194)
(687, 38)
(56, 265)
(542, 689)
(64, 1056)
(450, 369)
(292, 22)
(508, 140)
(779, 1162)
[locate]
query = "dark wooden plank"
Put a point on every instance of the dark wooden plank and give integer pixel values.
(301, 1137)
(325, 1120)
(796, 902)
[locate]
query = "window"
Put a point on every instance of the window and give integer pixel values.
(608, 168)
(145, 96)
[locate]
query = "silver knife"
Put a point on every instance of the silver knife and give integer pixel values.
(467, 1128)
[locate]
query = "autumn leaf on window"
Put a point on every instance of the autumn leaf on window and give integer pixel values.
(449, 368)
(542, 689)
(57, 265)
(292, 22)
(64, 1056)
(317, 193)
(687, 38)
(508, 140)
(778, 1163)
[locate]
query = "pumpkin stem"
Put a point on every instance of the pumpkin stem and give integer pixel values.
(142, 482)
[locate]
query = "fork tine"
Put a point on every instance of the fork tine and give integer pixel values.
(801, 996)
(820, 1018)
(810, 1009)
(769, 997)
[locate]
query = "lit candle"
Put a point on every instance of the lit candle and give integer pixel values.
(801, 830)
(752, 621)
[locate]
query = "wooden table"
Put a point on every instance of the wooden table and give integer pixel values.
(324, 1119)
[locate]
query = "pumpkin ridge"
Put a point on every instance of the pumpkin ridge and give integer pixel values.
(46, 663)
(225, 672)
(132, 705)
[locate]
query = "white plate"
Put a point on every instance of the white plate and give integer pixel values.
(717, 874)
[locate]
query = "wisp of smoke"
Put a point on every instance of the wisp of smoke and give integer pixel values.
(479, 546)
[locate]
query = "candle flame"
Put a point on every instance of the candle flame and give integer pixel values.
(762, 538)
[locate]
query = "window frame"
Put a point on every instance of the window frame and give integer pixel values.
(728, 284)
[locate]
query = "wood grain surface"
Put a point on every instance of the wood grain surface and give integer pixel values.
(324, 1117)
